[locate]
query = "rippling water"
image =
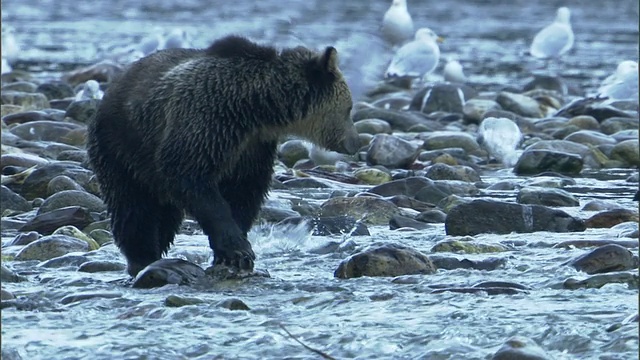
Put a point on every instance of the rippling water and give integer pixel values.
(363, 318)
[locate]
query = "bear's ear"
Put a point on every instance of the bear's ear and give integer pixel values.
(329, 60)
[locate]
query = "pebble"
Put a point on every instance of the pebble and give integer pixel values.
(386, 260)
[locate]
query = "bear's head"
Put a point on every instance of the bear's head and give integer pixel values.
(327, 117)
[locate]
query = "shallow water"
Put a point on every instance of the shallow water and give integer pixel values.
(361, 318)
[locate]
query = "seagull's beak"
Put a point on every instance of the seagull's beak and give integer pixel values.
(440, 39)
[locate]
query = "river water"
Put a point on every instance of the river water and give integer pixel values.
(363, 318)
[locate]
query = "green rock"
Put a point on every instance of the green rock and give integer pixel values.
(456, 246)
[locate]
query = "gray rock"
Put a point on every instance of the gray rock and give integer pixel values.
(400, 120)
(385, 260)
(484, 216)
(62, 183)
(8, 275)
(539, 161)
(628, 152)
(409, 186)
(441, 189)
(55, 90)
(9, 200)
(79, 156)
(76, 297)
(401, 221)
(519, 104)
(372, 126)
(546, 196)
(600, 205)
(600, 280)
(83, 110)
(610, 218)
(615, 124)
(440, 97)
(624, 135)
(432, 216)
(520, 348)
(24, 160)
(274, 214)
(24, 238)
(47, 223)
(590, 137)
(27, 100)
(292, 151)
(450, 139)
(371, 210)
(67, 198)
(168, 271)
(306, 183)
(70, 260)
(391, 151)
(101, 266)
(37, 182)
(233, 304)
(23, 86)
(51, 246)
(474, 110)
(606, 258)
(451, 263)
(585, 122)
(179, 301)
(441, 171)
(101, 236)
(44, 130)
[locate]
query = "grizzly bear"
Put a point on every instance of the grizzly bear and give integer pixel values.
(196, 130)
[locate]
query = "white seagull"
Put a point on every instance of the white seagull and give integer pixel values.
(453, 72)
(90, 90)
(555, 39)
(397, 25)
(500, 138)
(623, 84)
(417, 58)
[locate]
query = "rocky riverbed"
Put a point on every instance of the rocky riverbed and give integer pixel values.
(422, 246)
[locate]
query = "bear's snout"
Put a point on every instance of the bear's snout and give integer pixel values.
(351, 143)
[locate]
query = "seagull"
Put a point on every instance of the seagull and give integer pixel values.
(555, 39)
(417, 58)
(623, 84)
(6, 68)
(90, 90)
(500, 137)
(10, 46)
(453, 72)
(177, 38)
(397, 26)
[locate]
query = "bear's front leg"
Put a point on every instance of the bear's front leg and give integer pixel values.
(228, 242)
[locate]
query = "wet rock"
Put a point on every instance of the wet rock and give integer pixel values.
(179, 301)
(400, 120)
(274, 214)
(610, 218)
(624, 135)
(101, 236)
(23, 86)
(629, 320)
(26, 117)
(372, 176)
(600, 280)
(83, 111)
(6, 295)
(409, 186)
(24, 238)
(76, 297)
(450, 139)
(585, 122)
(51, 246)
(467, 247)
(485, 216)
(547, 82)
(410, 203)
(391, 151)
(44, 130)
(537, 161)
(233, 304)
(475, 290)
(628, 152)
(76, 233)
(23, 160)
(292, 151)
(168, 271)
(37, 182)
(62, 183)
(70, 260)
(615, 124)
(448, 172)
(9, 200)
(474, 110)
(372, 126)
(55, 90)
(590, 137)
(72, 198)
(606, 258)
(9, 276)
(305, 183)
(401, 221)
(570, 244)
(440, 97)
(439, 190)
(592, 107)
(432, 216)
(451, 263)
(49, 222)
(101, 266)
(371, 210)
(385, 260)
(501, 284)
(546, 196)
(519, 104)
(28, 101)
(520, 348)
(600, 205)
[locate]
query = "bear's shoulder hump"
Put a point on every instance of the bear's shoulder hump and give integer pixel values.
(234, 46)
